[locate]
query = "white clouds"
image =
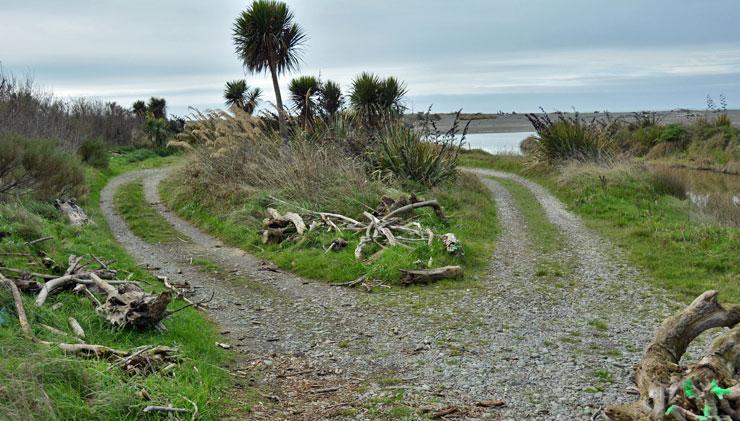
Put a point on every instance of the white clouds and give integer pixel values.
(182, 50)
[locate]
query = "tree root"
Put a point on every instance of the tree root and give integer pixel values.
(704, 391)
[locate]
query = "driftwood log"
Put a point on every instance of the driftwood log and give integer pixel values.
(277, 228)
(72, 211)
(129, 306)
(425, 276)
(18, 301)
(452, 245)
(703, 391)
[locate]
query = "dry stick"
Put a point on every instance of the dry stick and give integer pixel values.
(61, 333)
(22, 319)
(359, 280)
(165, 409)
(49, 286)
(38, 240)
(76, 328)
(35, 275)
(428, 203)
(82, 288)
(195, 408)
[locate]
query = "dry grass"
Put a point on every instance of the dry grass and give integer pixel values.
(235, 157)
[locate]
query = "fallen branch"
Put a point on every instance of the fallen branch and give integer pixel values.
(427, 203)
(38, 240)
(76, 328)
(351, 284)
(22, 318)
(425, 276)
(168, 409)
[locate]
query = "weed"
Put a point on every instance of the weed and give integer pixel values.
(598, 325)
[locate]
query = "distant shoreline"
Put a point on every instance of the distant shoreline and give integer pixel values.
(510, 123)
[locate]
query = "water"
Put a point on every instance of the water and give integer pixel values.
(497, 143)
(715, 195)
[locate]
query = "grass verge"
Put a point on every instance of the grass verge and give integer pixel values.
(468, 204)
(657, 230)
(40, 382)
(542, 233)
(142, 218)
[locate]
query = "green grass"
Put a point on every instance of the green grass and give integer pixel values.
(39, 382)
(142, 218)
(657, 231)
(542, 233)
(467, 203)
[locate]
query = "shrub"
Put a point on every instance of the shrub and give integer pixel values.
(427, 157)
(572, 138)
(94, 152)
(673, 133)
(33, 113)
(38, 168)
(723, 120)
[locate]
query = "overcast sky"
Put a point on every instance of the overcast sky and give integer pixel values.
(480, 55)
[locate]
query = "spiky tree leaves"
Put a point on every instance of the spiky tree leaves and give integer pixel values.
(304, 94)
(235, 92)
(252, 99)
(391, 95)
(157, 107)
(238, 94)
(139, 108)
(266, 38)
(374, 99)
(331, 99)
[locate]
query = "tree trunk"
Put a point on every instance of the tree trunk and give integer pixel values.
(279, 103)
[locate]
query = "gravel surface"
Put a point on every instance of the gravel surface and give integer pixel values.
(550, 351)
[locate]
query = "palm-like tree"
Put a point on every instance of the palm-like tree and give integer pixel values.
(238, 94)
(139, 108)
(374, 98)
(391, 95)
(331, 99)
(304, 93)
(234, 93)
(365, 96)
(267, 39)
(158, 107)
(252, 100)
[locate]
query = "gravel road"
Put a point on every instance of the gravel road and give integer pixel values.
(549, 350)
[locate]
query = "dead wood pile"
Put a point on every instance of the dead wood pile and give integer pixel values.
(706, 390)
(391, 224)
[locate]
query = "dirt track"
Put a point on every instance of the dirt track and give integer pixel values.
(516, 337)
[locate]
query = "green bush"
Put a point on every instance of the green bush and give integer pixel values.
(94, 152)
(572, 138)
(673, 133)
(38, 168)
(407, 156)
